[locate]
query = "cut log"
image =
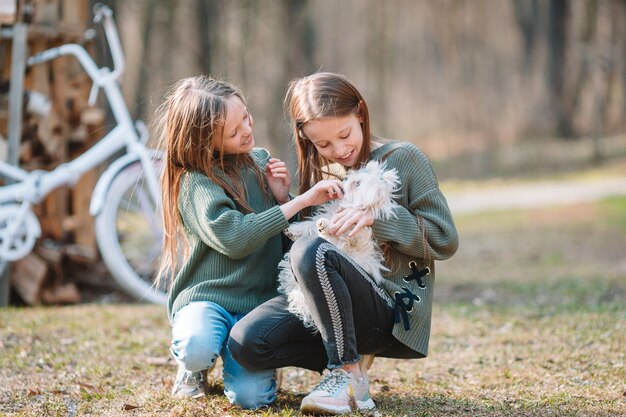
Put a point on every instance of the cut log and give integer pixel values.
(75, 16)
(53, 210)
(50, 252)
(27, 278)
(61, 294)
(81, 253)
(84, 234)
(46, 12)
(8, 9)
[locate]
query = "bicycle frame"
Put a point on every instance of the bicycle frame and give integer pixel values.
(33, 187)
(20, 227)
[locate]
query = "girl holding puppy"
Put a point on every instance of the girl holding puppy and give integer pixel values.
(356, 317)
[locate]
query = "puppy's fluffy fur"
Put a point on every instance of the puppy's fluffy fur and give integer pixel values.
(370, 188)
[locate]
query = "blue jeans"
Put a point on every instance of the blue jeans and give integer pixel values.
(199, 334)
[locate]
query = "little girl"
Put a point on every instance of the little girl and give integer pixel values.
(225, 204)
(355, 316)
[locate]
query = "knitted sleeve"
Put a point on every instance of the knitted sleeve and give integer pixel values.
(424, 227)
(210, 214)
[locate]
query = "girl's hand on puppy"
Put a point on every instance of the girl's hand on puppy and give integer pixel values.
(353, 219)
(278, 179)
(320, 193)
(323, 192)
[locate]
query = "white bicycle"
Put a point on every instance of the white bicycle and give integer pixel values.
(126, 199)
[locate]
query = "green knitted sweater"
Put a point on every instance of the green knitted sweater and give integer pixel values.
(423, 232)
(233, 257)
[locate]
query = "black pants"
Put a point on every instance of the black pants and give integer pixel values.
(353, 314)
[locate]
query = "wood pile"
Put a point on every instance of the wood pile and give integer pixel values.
(58, 125)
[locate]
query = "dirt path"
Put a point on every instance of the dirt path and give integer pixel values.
(535, 195)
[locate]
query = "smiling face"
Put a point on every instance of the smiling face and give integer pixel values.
(237, 133)
(338, 139)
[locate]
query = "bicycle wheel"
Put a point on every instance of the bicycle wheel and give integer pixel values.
(129, 234)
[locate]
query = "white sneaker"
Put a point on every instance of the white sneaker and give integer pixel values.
(190, 384)
(339, 393)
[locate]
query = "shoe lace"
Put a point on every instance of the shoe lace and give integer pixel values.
(332, 382)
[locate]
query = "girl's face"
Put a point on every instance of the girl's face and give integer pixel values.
(338, 139)
(237, 134)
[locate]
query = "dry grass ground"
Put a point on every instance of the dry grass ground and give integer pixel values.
(530, 320)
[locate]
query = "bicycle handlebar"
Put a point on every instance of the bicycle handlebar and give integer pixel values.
(102, 14)
(70, 49)
(101, 10)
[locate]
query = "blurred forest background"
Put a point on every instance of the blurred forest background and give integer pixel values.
(529, 314)
(454, 77)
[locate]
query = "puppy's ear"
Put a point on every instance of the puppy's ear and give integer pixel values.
(391, 178)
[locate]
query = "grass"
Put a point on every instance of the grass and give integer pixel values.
(530, 320)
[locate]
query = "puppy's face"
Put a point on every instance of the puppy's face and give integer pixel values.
(370, 185)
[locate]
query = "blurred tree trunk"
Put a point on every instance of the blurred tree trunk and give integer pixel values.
(208, 14)
(302, 37)
(527, 19)
(147, 19)
(606, 78)
(382, 59)
(622, 55)
(557, 27)
(586, 60)
(300, 42)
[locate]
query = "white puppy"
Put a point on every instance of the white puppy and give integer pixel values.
(371, 188)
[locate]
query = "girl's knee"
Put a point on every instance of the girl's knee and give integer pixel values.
(198, 335)
(302, 255)
(238, 346)
(246, 349)
(195, 352)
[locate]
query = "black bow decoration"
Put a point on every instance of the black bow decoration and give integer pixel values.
(417, 274)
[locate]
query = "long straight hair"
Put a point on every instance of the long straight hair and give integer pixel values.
(190, 124)
(319, 96)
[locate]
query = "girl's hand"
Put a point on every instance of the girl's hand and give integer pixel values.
(323, 192)
(350, 218)
(278, 179)
(320, 193)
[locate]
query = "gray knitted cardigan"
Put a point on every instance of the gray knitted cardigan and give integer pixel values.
(423, 232)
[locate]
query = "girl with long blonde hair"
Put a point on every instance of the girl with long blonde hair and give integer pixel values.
(225, 204)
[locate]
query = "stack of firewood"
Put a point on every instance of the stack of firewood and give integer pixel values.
(58, 125)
